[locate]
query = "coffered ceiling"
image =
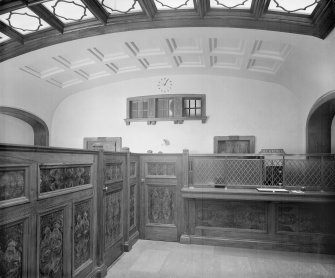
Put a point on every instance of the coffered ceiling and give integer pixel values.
(27, 25)
(173, 51)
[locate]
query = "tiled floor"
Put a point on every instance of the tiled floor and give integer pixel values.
(159, 259)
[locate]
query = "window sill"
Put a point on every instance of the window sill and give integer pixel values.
(176, 120)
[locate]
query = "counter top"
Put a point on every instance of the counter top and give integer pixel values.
(254, 195)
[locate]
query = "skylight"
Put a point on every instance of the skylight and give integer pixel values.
(174, 4)
(294, 7)
(3, 37)
(121, 6)
(24, 21)
(69, 11)
(230, 4)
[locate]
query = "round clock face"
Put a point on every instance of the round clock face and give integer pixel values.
(164, 84)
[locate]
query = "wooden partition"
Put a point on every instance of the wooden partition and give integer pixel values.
(72, 213)
(65, 212)
(224, 207)
(47, 217)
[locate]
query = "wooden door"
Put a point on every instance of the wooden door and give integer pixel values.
(160, 202)
(113, 206)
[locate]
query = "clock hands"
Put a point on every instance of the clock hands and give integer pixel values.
(166, 81)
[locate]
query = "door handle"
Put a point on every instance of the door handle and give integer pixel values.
(105, 188)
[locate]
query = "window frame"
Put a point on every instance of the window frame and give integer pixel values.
(166, 107)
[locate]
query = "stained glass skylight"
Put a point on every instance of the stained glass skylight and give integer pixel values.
(174, 4)
(230, 4)
(290, 6)
(24, 21)
(69, 11)
(121, 6)
(3, 37)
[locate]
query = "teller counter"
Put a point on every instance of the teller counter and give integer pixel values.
(247, 218)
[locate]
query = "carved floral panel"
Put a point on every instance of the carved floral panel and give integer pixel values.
(161, 203)
(113, 172)
(161, 169)
(132, 205)
(11, 184)
(132, 171)
(66, 177)
(51, 245)
(306, 219)
(82, 233)
(239, 215)
(113, 218)
(11, 249)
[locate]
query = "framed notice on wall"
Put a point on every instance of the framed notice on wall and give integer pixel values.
(111, 144)
(234, 144)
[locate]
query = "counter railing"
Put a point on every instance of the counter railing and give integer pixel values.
(302, 172)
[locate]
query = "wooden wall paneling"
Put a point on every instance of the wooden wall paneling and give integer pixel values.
(133, 223)
(54, 232)
(82, 237)
(99, 215)
(114, 208)
(14, 240)
(126, 201)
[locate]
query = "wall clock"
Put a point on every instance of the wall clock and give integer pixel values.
(164, 84)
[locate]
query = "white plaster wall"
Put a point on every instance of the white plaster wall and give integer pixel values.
(234, 107)
(15, 131)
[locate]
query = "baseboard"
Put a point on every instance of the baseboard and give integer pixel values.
(257, 244)
(128, 245)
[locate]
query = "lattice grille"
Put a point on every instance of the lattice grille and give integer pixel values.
(329, 174)
(302, 172)
(226, 171)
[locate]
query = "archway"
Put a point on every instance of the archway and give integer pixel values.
(319, 123)
(41, 131)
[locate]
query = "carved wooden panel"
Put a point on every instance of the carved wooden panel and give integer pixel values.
(12, 184)
(132, 205)
(113, 172)
(82, 233)
(161, 204)
(234, 144)
(132, 171)
(113, 217)
(306, 219)
(11, 250)
(226, 214)
(161, 169)
(51, 245)
(56, 178)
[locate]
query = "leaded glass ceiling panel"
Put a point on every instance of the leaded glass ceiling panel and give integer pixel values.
(24, 21)
(230, 4)
(121, 6)
(69, 11)
(174, 4)
(294, 7)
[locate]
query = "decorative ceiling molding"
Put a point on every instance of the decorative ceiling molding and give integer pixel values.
(92, 19)
(141, 55)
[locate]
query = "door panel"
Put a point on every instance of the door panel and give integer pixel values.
(159, 190)
(114, 174)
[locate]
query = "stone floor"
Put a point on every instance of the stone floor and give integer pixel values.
(159, 259)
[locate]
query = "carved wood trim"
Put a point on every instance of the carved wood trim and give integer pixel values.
(41, 131)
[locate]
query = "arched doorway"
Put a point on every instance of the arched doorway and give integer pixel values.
(319, 125)
(41, 131)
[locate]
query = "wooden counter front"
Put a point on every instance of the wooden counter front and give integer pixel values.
(247, 218)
